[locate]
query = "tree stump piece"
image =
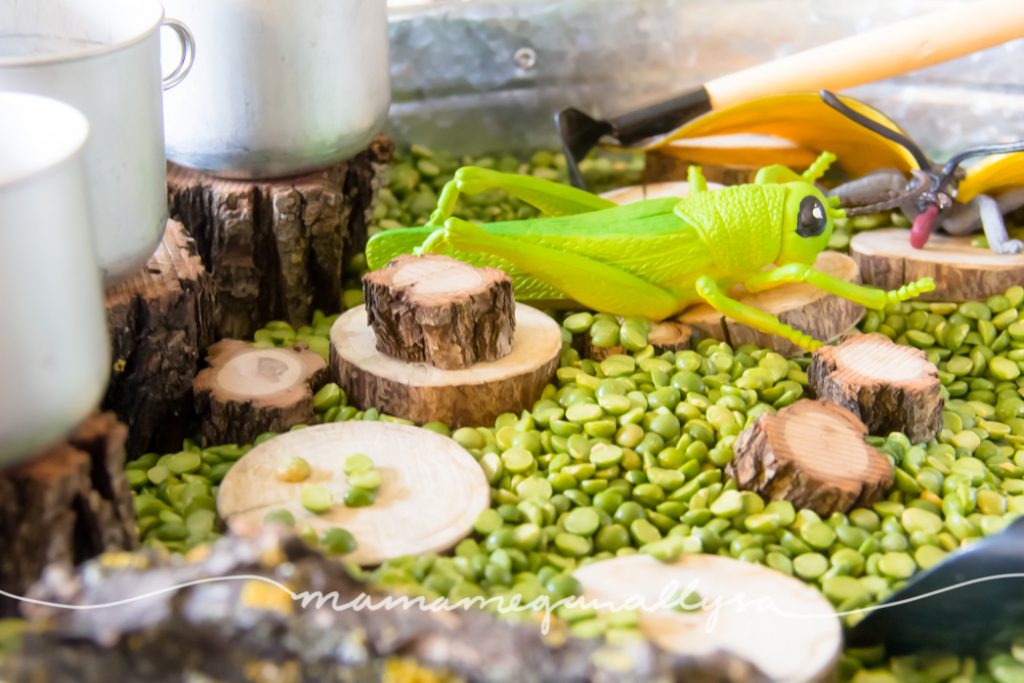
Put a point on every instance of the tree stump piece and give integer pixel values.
(667, 335)
(246, 391)
(275, 248)
(805, 307)
(441, 311)
(66, 505)
(812, 454)
(961, 272)
(799, 639)
(890, 387)
(422, 393)
(160, 323)
(432, 491)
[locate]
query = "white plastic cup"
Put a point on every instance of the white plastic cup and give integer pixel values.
(54, 350)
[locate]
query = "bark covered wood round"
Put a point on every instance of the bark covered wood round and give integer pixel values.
(441, 311)
(890, 387)
(822, 315)
(961, 272)
(812, 454)
(431, 493)
(424, 393)
(667, 335)
(777, 623)
(246, 390)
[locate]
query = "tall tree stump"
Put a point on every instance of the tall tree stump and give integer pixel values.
(276, 248)
(66, 505)
(891, 387)
(160, 323)
(246, 391)
(440, 311)
(812, 454)
(961, 272)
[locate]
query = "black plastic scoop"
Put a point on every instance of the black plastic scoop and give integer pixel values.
(871, 56)
(965, 604)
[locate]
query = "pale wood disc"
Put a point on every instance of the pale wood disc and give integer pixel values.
(805, 307)
(775, 622)
(466, 396)
(636, 193)
(432, 491)
(961, 272)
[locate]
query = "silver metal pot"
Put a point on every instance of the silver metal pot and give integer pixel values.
(103, 57)
(54, 357)
(278, 88)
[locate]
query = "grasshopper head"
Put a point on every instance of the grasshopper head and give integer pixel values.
(807, 222)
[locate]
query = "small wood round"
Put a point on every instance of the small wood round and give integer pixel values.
(812, 454)
(432, 490)
(423, 393)
(961, 272)
(441, 311)
(667, 335)
(890, 387)
(246, 390)
(636, 193)
(805, 307)
(777, 623)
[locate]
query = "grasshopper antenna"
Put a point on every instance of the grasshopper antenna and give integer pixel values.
(833, 101)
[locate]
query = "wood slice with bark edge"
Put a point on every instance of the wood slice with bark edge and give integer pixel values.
(812, 454)
(276, 247)
(246, 390)
(890, 387)
(70, 503)
(961, 272)
(441, 311)
(667, 335)
(798, 638)
(422, 393)
(805, 307)
(160, 322)
(432, 491)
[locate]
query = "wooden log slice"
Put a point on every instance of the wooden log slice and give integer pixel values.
(805, 307)
(812, 454)
(890, 387)
(667, 335)
(440, 311)
(961, 272)
(432, 491)
(423, 393)
(782, 626)
(70, 503)
(660, 190)
(246, 391)
(160, 323)
(276, 247)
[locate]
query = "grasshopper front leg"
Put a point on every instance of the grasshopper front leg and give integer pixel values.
(594, 284)
(869, 297)
(709, 291)
(551, 198)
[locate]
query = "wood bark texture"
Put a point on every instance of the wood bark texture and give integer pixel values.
(246, 391)
(812, 454)
(276, 248)
(70, 503)
(437, 310)
(890, 387)
(961, 272)
(160, 322)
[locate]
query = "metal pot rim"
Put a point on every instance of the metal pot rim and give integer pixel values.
(90, 52)
(76, 137)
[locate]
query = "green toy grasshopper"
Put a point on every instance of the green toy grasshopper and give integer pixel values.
(652, 258)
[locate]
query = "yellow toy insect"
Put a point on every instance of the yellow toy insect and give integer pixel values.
(653, 258)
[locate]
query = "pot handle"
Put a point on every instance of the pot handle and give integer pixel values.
(188, 53)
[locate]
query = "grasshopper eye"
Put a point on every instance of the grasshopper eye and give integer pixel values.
(812, 218)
